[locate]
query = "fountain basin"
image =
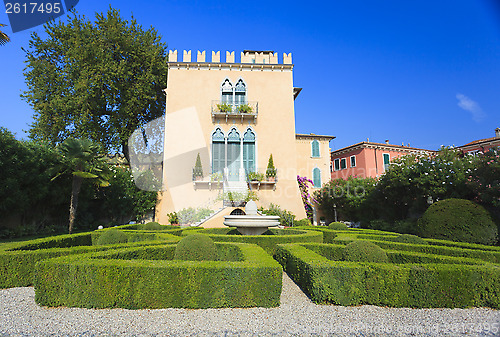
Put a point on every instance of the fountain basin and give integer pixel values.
(251, 224)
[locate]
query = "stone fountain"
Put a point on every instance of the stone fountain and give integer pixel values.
(251, 223)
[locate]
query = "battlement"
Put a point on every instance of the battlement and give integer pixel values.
(246, 57)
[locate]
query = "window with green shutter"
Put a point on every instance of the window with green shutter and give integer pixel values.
(233, 155)
(386, 161)
(218, 152)
(249, 151)
(317, 177)
(315, 149)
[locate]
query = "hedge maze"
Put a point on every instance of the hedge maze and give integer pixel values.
(430, 275)
(138, 268)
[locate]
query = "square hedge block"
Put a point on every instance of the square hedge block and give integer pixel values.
(148, 277)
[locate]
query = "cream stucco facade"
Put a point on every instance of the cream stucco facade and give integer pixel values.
(234, 115)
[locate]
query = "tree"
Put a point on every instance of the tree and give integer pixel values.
(96, 80)
(4, 38)
(82, 159)
(349, 197)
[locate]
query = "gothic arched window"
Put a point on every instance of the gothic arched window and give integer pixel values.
(218, 152)
(249, 151)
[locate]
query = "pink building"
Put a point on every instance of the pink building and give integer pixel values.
(367, 159)
(482, 145)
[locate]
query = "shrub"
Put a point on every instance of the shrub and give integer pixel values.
(192, 215)
(339, 226)
(196, 247)
(458, 220)
(364, 251)
(112, 236)
(408, 238)
(152, 226)
(173, 218)
(302, 222)
(380, 224)
(286, 217)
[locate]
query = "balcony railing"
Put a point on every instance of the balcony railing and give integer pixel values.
(235, 110)
(259, 179)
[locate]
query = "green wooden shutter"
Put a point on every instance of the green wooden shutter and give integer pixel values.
(249, 151)
(317, 177)
(386, 161)
(315, 148)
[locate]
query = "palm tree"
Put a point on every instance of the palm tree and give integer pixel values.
(4, 38)
(82, 159)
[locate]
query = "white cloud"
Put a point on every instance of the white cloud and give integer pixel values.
(471, 106)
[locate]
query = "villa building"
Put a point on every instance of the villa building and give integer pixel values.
(368, 159)
(234, 116)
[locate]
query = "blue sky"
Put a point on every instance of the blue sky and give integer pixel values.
(420, 72)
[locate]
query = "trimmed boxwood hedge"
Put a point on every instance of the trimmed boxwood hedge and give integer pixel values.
(330, 234)
(397, 285)
(136, 278)
(335, 252)
(268, 241)
(18, 259)
(465, 250)
(136, 235)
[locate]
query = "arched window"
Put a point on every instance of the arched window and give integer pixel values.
(218, 152)
(227, 92)
(315, 149)
(317, 177)
(249, 151)
(233, 155)
(240, 93)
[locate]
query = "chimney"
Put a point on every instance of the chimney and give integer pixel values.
(497, 132)
(387, 141)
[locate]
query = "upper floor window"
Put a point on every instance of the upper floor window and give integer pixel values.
(343, 163)
(317, 177)
(315, 149)
(353, 161)
(336, 164)
(240, 91)
(233, 94)
(227, 92)
(387, 159)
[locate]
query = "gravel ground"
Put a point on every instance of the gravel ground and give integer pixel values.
(297, 316)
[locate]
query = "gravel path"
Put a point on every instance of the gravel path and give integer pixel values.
(297, 316)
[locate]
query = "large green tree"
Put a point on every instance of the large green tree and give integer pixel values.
(99, 80)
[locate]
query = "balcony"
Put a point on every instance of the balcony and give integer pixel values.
(248, 110)
(213, 181)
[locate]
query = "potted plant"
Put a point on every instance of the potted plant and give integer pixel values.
(245, 108)
(198, 169)
(224, 107)
(271, 170)
(255, 176)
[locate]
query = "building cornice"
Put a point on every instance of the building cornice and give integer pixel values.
(230, 66)
(379, 146)
(313, 136)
